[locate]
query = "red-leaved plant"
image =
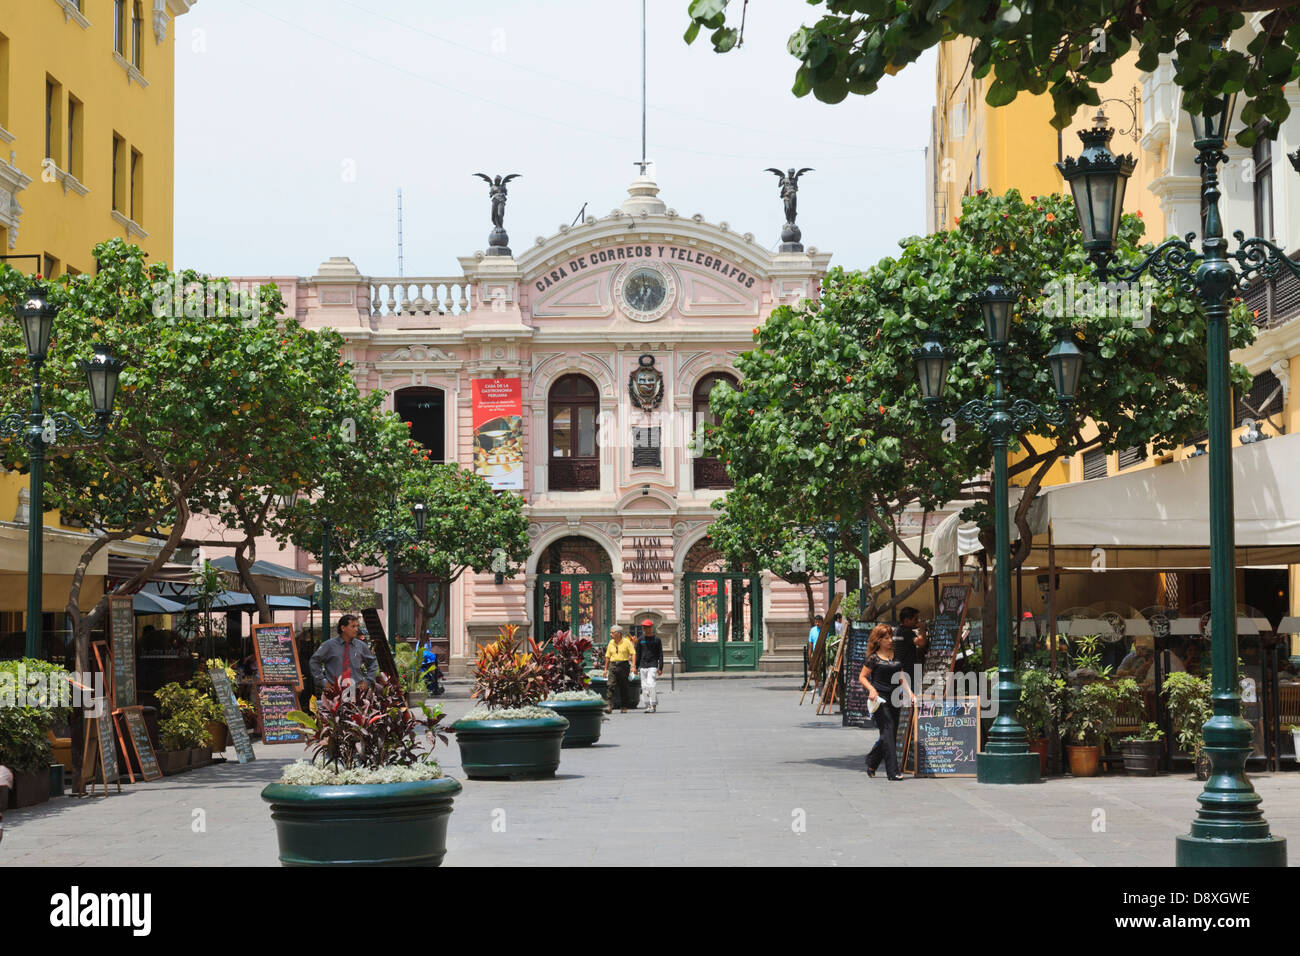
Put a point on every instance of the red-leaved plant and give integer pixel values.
(369, 727)
(572, 652)
(505, 678)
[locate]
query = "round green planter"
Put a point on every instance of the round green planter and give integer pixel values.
(584, 717)
(600, 685)
(510, 749)
(377, 824)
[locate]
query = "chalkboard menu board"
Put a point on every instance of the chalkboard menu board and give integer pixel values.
(137, 735)
(107, 748)
(230, 708)
(854, 706)
(903, 736)
(946, 737)
(277, 655)
(121, 626)
(945, 630)
(274, 701)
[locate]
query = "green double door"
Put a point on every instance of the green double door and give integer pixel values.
(723, 622)
(583, 601)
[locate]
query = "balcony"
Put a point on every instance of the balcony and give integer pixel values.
(427, 295)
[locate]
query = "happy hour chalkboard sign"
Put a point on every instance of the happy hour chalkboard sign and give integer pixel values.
(274, 701)
(945, 630)
(121, 621)
(277, 655)
(230, 709)
(137, 735)
(854, 707)
(946, 736)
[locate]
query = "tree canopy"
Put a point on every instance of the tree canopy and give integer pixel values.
(1060, 47)
(829, 421)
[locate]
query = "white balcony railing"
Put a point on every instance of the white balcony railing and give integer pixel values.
(419, 296)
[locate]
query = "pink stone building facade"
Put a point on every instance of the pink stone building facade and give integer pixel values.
(615, 328)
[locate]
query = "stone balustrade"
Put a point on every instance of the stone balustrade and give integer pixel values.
(419, 295)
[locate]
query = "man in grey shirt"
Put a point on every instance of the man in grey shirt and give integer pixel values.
(344, 656)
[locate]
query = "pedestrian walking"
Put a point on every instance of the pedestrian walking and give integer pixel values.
(880, 675)
(910, 641)
(649, 661)
(620, 659)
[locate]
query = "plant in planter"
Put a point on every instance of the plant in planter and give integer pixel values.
(29, 692)
(1090, 711)
(1142, 750)
(1042, 696)
(509, 735)
(182, 729)
(1295, 736)
(371, 795)
(218, 732)
(411, 670)
(1188, 700)
(567, 692)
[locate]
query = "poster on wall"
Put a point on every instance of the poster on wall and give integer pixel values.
(499, 432)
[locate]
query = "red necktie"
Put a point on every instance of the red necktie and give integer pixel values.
(347, 664)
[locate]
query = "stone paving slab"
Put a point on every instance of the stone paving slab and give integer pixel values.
(726, 773)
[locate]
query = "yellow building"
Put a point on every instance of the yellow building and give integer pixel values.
(87, 117)
(974, 146)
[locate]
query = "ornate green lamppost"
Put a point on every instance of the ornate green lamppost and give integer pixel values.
(1229, 829)
(389, 539)
(39, 428)
(1006, 757)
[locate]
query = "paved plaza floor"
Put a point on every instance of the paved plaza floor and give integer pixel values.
(728, 772)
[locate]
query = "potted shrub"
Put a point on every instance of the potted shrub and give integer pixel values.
(1142, 751)
(1295, 737)
(1188, 700)
(369, 796)
(182, 729)
(215, 723)
(508, 735)
(567, 692)
(1040, 701)
(410, 671)
(1091, 710)
(24, 739)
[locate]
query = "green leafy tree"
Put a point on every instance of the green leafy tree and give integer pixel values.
(1060, 47)
(201, 404)
(829, 420)
(761, 534)
(469, 527)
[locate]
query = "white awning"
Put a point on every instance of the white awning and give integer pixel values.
(949, 542)
(1158, 518)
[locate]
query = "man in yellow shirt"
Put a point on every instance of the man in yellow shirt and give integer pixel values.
(620, 657)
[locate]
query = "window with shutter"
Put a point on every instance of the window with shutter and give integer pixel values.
(1094, 464)
(1131, 456)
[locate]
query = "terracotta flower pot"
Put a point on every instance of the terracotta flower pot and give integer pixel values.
(1039, 747)
(1084, 761)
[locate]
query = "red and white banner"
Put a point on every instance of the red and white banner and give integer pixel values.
(499, 432)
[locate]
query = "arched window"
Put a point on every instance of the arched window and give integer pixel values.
(425, 409)
(573, 404)
(710, 472)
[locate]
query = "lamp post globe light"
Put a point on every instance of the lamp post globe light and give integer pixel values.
(38, 429)
(1229, 828)
(1006, 757)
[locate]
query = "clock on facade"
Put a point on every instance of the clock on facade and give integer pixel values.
(644, 291)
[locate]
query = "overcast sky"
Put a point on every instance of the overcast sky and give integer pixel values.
(297, 122)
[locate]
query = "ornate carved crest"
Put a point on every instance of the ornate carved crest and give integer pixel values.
(646, 384)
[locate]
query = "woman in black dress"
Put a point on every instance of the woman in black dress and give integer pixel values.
(879, 675)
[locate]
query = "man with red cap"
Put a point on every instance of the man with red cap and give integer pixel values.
(649, 661)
